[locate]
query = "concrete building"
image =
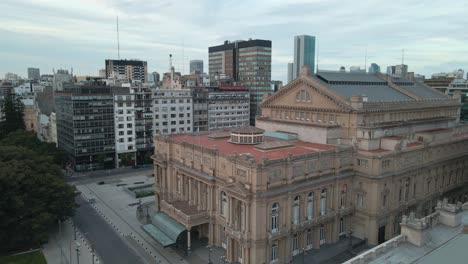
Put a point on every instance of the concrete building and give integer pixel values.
(400, 70)
(334, 154)
(85, 126)
(102, 73)
(246, 62)
(173, 111)
(276, 85)
(29, 115)
(304, 54)
(356, 69)
(11, 76)
(456, 74)
(436, 238)
(34, 74)
(196, 66)
(53, 128)
(127, 70)
(290, 72)
(61, 76)
(374, 68)
(124, 125)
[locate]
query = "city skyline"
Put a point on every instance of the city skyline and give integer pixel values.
(53, 34)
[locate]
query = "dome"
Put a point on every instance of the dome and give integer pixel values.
(248, 135)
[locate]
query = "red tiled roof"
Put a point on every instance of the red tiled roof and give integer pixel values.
(413, 144)
(227, 148)
(394, 137)
(435, 130)
(379, 150)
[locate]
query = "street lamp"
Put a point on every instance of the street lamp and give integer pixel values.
(78, 253)
(209, 254)
(350, 233)
(304, 252)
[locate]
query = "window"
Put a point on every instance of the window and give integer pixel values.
(308, 116)
(296, 211)
(121, 126)
(309, 239)
(295, 245)
(360, 200)
(129, 125)
(302, 115)
(407, 184)
(385, 164)
(344, 189)
(310, 206)
(342, 227)
(331, 119)
(223, 204)
(319, 117)
(302, 96)
(363, 163)
(286, 115)
(274, 217)
(323, 202)
(274, 253)
(322, 234)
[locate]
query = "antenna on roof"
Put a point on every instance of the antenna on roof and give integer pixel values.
(365, 62)
(118, 39)
(170, 62)
(402, 56)
(183, 58)
(317, 55)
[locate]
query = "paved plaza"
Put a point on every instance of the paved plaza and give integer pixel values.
(119, 208)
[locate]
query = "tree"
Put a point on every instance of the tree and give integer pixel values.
(29, 140)
(13, 108)
(34, 197)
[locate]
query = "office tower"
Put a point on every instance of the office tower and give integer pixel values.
(290, 72)
(129, 70)
(246, 62)
(400, 70)
(276, 85)
(304, 54)
(85, 125)
(374, 68)
(34, 74)
(172, 111)
(196, 66)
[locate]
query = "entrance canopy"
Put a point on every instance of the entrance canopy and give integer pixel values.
(164, 229)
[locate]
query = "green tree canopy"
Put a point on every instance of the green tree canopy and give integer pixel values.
(29, 140)
(34, 196)
(13, 108)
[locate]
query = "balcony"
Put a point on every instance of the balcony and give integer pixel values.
(186, 214)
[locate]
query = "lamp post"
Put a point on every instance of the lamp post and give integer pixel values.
(350, 233)
(304, 252)
(78, 253)
(209, 254)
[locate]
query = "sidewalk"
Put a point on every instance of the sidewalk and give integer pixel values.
(62, 247)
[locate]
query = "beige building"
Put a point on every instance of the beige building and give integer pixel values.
(333, 154)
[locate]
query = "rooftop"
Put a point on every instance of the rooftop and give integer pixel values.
(274, 148)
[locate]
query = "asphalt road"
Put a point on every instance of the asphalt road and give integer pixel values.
(106, 242)
(95, 175)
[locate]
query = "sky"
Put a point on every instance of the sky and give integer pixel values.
(82, 34)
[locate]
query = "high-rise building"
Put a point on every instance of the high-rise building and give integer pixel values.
(374, 68)
(196, 66)
(304, 54)
(400, 70)
(34, 74)
(276, 85)
(248, 63)
(85, 125)
(129, 70)
(290, 72)
(173, 111)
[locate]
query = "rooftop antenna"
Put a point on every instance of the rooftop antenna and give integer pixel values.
(402, 56)
(317, 56)
(118, 39)
(183, 58)
(365, 62)
(170, 62)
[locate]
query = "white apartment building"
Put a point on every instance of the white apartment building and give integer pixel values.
(173, 111)
(124, 107)
(227, 109)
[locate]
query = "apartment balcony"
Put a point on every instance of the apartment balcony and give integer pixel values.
(184, 213)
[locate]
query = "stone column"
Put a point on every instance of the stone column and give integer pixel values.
(230, 211)
(199, 205)
(247, 217)
(189, 180)
(188, 241)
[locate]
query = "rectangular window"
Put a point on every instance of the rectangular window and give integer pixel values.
(302, 115)
(360, 200)
(274, 253)
(309, 239)
(286, 115)
(331, 119)
(363, 163)
(295, 245)
(308, 116)
(319, 117)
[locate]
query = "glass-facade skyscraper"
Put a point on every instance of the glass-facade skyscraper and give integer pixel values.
(304, 54)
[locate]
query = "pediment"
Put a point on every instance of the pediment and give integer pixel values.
(237, 188)
(320, 96)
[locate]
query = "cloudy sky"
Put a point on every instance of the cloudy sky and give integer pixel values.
(82, 34)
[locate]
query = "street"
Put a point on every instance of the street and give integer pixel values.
(106, 242)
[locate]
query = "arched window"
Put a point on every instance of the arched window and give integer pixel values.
(323, 202)
(344, 190)
(303, 96)
(296, 210)
(224, 204)
(310, 206)
(274, 217)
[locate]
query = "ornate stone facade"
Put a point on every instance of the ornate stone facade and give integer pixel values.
(354, 163)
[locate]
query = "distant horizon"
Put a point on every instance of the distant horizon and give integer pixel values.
(56, 34)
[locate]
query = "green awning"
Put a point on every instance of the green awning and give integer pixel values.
(164, 229)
